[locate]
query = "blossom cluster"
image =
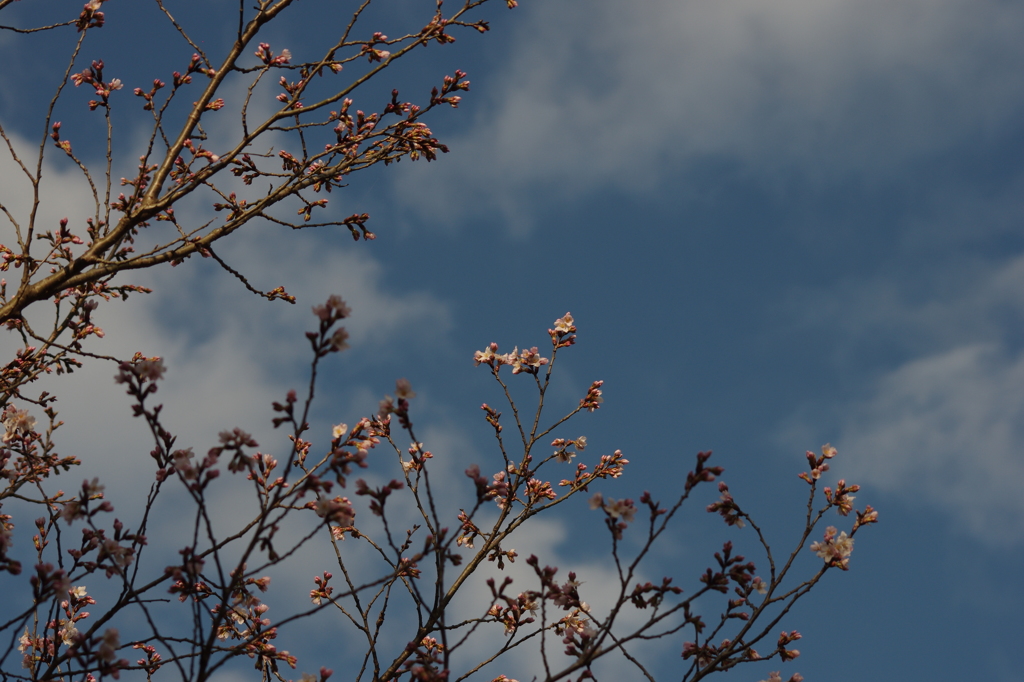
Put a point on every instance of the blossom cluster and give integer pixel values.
(140, 370)
(618, 512)
(564, 333)
(562, 452)
(331, 312)
(834, 549)
(818, 463)
(528, 360)
(17, 423)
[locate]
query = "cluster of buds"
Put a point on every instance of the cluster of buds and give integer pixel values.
(702, 474)
(435, 29)
(492, 417)
(356, 223)
(538, 490)
(470, 531)
(351, 132)
(728, 653)
(818, 463)
(610, 466)
(94, 76)
(705, 653)
(323, 177)
(288, 407)
(413, 138)
(148, 96)
(397, 107)
(182, 173)
(727, 507)
(7, 564)
(399, 405)
(267, 56)
(841, 497)
(650, 594)
(195, 65)
(731, 570)
(187, 576)
(592, 401)
(91, 16)
(245, 619)
(64, 145)
(379, 495)
(785, 639)
(513, 614)
(426, 661)
(451, 84)
(59, 240)
(233, 205)
(352, 447)
(152, 662)
(291, 91)
(504, 494)
(9, 258)
(323, 590)
(263, 468)
(869, 515)
(565, 595)
(370, 50)
(418, 456)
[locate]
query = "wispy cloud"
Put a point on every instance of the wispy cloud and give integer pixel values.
(947, 431)
(944, 427)
(596, 95)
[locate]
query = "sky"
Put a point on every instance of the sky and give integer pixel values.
(777, 225)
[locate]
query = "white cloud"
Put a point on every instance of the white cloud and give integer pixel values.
(947, 430)
(598, 94)
(944, 428)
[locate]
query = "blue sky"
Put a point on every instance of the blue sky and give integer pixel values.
(776, 224)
